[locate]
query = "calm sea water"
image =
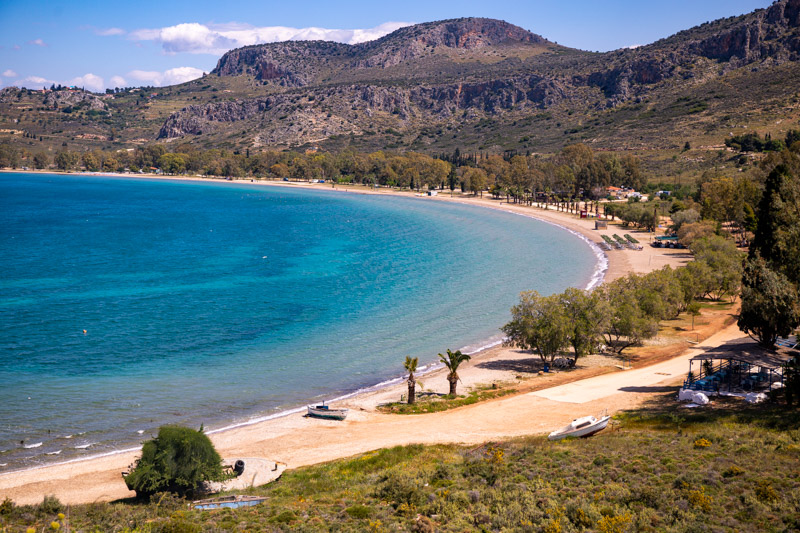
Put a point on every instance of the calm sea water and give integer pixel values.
(219, 303)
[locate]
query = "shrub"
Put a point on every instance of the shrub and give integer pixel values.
(50, 506)
(400, 488)
(765, 492)
(702, 443)
(699, 500)
(614, 524)
(359, 511)
(284, 517)
(179, 525)
(177, 460)
(732, 471)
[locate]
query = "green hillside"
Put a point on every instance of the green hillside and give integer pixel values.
(480, 85)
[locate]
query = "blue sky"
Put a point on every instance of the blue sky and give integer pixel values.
(106, 44)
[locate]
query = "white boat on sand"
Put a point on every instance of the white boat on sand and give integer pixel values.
(586, 426)
(323, 411)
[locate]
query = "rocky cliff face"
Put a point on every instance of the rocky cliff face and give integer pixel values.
(67, 98)
(769, 34)
(766, 33)
(412, 42)
(474, 82)
(289, 64)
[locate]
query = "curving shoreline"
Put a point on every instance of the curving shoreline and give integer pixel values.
(98, 477)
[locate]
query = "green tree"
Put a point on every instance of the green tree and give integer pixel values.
(539, 323)
(659, 293)
(694, 310)
(170, 163)
(771, 280)
(177, 460)
(110, 164)
(411, 366)
(586, 319)
(769, 303)
(41, 160)
(9, 156)
(475, 179)
(628, 325)
(777, 235)
(66, 160)
(724, 261)
(90, 161)
(452, 361)
(695, 281)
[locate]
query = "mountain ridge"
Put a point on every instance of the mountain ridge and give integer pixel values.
(469, 83)
(620, 76)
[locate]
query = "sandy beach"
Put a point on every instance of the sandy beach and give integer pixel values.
(297, 441)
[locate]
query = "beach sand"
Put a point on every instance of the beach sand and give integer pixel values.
(298, 441)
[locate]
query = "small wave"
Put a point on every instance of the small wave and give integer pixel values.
(3, 464)
(490, 344)
(140, 431)
(29, 446)
(67, 436)
(54, 453)
(84, 446)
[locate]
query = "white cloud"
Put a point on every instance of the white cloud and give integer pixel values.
(10, 74)
(37, 42)
(172, 76)
(197, 38)
(88, 81)
(109, 31)
(118, 81)
(177, 75)
(34, 82)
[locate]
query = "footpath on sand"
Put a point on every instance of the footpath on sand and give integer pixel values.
(635, 380)
(297, 441)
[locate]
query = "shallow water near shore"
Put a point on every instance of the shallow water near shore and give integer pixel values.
(211, 303)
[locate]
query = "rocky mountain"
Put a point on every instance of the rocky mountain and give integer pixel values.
(472, 83)
(468, 69)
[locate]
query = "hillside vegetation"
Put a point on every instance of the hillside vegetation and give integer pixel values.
(730, 468)
(476, 84)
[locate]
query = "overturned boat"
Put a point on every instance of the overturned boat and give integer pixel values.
(228, 502)
(586, 426)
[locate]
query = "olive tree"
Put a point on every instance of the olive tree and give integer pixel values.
(587, 315)
(539, 323)
(178, 460)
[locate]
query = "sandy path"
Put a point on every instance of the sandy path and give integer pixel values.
(639, 379)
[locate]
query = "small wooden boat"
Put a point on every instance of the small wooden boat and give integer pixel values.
(585, 426)
(323, 411)
(229, 502)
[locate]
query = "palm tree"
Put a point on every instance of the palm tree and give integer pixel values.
(411, 366)
(452, 362)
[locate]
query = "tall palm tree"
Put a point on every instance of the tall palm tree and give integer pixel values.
(452, 362)
(411, 366)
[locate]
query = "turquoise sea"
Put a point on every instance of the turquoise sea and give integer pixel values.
(221, 303)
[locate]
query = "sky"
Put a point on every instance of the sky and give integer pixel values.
(99, 45)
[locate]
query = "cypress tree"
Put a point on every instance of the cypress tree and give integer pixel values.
(770, 306)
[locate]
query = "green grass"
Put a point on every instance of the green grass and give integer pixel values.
(647, 474)
(435, 403)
